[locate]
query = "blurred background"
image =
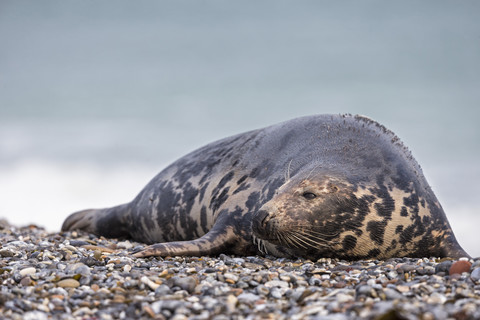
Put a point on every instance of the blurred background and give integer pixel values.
(96, 97)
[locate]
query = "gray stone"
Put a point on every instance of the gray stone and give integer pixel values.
(248, 297)
(7, 252)
(443, 267)
(276, 283)
(28, 271)
(169, 305)
(365, 290)
(475, 275)
(186, 283)
(392, 294)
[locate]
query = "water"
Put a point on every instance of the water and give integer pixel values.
(97, 97)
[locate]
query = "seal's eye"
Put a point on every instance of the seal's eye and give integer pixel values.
(309, 195)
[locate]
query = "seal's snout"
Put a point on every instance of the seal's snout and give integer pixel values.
(262, 217)
(260, 222)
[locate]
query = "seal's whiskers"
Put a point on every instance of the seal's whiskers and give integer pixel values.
(310, 173)
(265, 251)
(284, 238)
(297, 241)
(312, 230)
(287, 239)
(321, 243)
(313, 236)
(287, 175)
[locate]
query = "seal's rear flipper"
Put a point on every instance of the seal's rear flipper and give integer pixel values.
(103, 222)
(212, 243)
(81, 220)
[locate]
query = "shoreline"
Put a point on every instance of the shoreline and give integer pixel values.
(74, 275)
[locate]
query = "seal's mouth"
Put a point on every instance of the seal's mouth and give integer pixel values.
(267, 227)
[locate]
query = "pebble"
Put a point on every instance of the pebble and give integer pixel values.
(262, 290)
(460, 267)
(6, 252)
(68, 283)
(392, 294)
(232, 277)
(443, 267)
(73, 275)
(149, 283)
(406, 267)
(125, 245)
(475, 275)
(403, 289)
(248, 297)
(436, 298)
(26, 281)
(185, 283)
(27, 271)
(276, 283)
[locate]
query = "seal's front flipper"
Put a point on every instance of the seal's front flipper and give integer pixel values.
(212, 243)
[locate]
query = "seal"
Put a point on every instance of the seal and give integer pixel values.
(337, 186)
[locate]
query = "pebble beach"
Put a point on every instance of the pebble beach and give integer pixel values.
(75, 275)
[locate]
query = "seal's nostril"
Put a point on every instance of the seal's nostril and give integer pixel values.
(260, 221)
(262, 217)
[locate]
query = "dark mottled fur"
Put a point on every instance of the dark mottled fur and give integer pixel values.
(207, 201)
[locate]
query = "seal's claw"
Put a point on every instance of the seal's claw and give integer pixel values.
(147, 252)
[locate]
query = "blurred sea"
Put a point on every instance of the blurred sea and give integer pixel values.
(98, 97)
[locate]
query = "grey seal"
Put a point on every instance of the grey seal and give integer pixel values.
(337, 186)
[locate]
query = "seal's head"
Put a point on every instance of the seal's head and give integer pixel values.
(329, 215)
(305, 216)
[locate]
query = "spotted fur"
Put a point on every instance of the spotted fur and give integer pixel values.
(320, 186)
